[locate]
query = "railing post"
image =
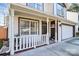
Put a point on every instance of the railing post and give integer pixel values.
(35, 37)
(47, 39)
(11, 31)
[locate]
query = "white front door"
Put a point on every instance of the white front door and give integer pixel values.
(67, 32)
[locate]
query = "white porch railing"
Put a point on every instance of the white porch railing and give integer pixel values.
(28, 41)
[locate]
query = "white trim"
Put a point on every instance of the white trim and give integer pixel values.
(47, 31)
(29, 20)
(37, 28)
(11, 31)
(29, 28)
(56, 31)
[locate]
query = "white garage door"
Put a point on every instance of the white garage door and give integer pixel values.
(67, 31)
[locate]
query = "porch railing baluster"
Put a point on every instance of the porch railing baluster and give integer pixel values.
(29, 41)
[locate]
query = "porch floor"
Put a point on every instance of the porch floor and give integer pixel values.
(69, 47)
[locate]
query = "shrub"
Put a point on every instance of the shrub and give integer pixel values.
(77, 34)
(1, 44)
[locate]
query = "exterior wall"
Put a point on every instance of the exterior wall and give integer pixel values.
(76, 28)
(16, 25)
(73, 16)
(24, 16)
(49, 8)
(23, 4)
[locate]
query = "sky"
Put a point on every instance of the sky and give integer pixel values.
(3, 7)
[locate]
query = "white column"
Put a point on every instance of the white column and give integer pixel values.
(47, 31)
(11, 31)
(56, 30)
(59, 31)
(40, 25)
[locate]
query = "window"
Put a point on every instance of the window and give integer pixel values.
(32, 5)
(60, 10)
(44, 27)
(33, 27)
(24, 27)
(39, 6)
(28, 27)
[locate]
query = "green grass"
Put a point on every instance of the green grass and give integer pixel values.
(1, 44)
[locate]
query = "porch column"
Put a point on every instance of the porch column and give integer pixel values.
(47, 40)
(11, 31)
(59, 31)
(56, 30)
(40, 25)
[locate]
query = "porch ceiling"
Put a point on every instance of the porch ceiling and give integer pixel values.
(26, 10)
(22, 14)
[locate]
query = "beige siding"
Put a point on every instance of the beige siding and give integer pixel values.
(73, 16)
(24, 4)
(16, 25)
(49, 8)
(24, 16)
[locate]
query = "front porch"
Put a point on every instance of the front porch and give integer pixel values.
(69, 47)
(27, 30)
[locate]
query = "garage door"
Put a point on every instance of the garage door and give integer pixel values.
(67, 31)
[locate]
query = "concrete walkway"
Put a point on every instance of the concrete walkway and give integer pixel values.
(69, 47)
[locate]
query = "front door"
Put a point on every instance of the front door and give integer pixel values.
(52, 35)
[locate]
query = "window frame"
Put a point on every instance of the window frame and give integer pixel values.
(41, 8)
(44, 27)
(26, 19)
(61, 10)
